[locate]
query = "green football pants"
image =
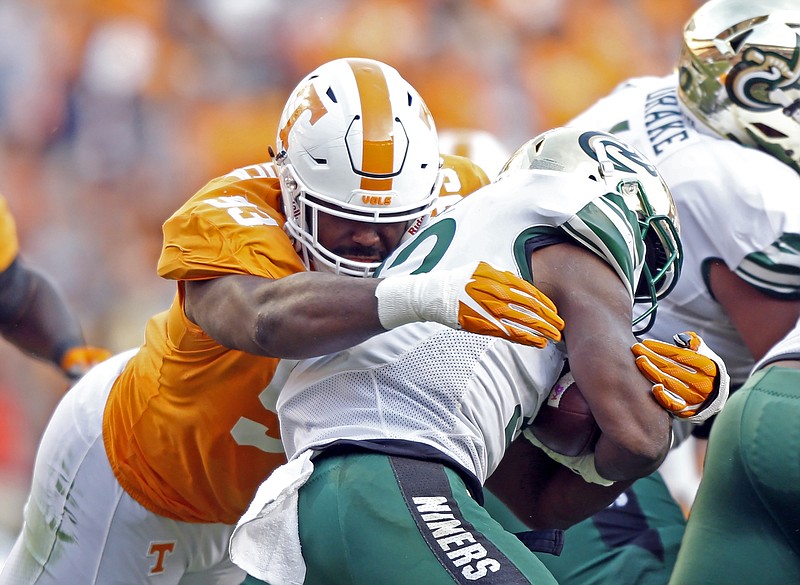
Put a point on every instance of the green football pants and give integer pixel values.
(745, 522)
(368, 518)
(634, 541)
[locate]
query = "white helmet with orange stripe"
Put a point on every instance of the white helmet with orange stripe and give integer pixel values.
(480, 146)
(356, 141)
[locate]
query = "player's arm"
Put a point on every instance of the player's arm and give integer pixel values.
(298, 316)
(596, 308)
(760, 319)
(690, 382)
(635, 437)
(544, 494)
(313, 313)
(35, 317)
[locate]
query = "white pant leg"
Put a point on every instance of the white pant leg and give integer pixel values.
(681, 471)
(80, 525)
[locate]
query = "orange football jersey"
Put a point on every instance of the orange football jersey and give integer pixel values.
(185, 427)
(190, 426)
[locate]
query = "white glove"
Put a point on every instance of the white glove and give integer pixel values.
(689, 380)
(476, 298)
(583, 465)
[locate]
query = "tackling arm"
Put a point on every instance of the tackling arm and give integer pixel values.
(298, 316)
(312, 313)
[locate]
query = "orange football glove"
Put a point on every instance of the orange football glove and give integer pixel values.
(80, 359)
(502, 304)
(476, 298)
(689, 380)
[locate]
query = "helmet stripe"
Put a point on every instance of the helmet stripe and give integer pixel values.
(378, 124)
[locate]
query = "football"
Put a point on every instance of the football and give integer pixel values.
(565, 422)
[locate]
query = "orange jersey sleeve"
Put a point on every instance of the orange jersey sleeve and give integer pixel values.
(231, 226)
(190, 426)
(9, 245)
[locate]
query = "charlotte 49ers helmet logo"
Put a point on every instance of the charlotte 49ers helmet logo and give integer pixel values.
(621, 156)
(752, 82)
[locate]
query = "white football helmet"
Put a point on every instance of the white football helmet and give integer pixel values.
(739, 71)
(625, 171)
(481, 147)
(356, 141)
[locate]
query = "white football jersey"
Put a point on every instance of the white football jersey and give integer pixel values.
(734, 203)
(462, 394)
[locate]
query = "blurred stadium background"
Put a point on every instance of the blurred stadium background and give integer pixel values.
(113, 112)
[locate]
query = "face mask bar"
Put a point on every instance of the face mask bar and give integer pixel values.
(660, 269)
(302, 224)
(652, 286)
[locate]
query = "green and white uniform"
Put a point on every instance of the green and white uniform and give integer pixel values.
(745, 522)
(734, 204)
(406, 426)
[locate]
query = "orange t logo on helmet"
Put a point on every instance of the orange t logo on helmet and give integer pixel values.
(308, 100)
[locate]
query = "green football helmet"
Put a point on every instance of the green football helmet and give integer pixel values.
(636, 190)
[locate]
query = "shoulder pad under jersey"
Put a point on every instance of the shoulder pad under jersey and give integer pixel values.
(607, 227)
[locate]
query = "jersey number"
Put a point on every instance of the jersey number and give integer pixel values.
(254, 434)
(242, 211)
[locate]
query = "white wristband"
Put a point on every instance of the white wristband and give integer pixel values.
(583, 465)
(410, 298)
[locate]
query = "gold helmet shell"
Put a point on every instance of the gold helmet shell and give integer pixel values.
(739, 71)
